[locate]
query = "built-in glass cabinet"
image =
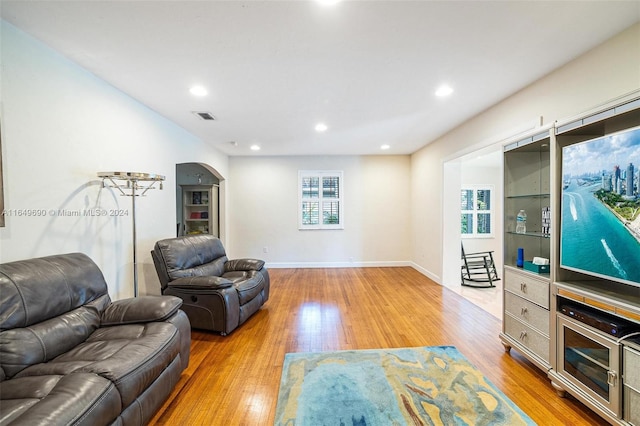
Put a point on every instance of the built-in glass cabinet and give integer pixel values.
(527, 189)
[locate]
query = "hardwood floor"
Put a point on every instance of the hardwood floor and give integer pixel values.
(234, 380)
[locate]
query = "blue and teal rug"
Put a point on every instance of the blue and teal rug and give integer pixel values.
(410, 386)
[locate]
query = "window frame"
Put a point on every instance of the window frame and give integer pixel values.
(475, 212)
(321, 199)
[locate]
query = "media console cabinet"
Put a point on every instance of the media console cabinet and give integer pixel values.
(580, 329)
(598, 347)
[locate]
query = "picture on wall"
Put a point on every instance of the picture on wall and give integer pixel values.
(1, 182)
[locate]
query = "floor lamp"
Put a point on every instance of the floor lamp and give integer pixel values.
(131, 184)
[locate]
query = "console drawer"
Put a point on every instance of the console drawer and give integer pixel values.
(631, 368)
(527, 287)
(527, 312)
(631, 406)
(532, 339)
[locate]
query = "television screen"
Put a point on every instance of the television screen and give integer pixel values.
(600, 207)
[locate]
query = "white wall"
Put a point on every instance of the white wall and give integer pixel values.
(606, 72)
(61, 125)
(264, 200)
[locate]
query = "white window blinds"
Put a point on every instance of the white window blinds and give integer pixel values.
(320, 200)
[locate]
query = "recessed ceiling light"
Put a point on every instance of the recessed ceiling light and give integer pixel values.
(255, 148)
(444, 90)
(321, 127)
(198, 91)
(385, 147)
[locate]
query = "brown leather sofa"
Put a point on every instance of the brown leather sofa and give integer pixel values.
(218, 294)
(71, 356)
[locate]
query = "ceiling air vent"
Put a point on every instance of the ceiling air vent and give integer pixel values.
(204, 115)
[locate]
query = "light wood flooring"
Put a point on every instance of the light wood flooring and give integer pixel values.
(234, 380)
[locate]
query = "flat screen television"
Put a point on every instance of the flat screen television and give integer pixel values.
(600, 207)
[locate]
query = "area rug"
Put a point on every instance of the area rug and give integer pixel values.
(409, 386)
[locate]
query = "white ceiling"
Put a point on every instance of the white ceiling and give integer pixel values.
(273, 69)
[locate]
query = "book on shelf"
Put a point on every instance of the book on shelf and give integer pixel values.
(195, 215)
(196, 197)
(546, 221)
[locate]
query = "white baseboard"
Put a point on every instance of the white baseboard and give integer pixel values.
(391, 264)
(279, 265)
(433, 277)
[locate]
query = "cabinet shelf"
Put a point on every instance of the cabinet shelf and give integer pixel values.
(198, 213)
(600, 361)
(522, 271)
(509, 197)
(529, 234)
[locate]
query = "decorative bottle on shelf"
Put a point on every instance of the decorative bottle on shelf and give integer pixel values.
(521, 222)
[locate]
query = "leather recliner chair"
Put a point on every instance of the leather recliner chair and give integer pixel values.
(218, 294)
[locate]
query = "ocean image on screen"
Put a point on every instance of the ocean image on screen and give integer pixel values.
(600, 207)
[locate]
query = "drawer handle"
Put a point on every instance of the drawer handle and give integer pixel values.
(523, 287)
(523, 311)
(523, 335)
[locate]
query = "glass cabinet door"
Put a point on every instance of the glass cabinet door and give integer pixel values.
(590, 360)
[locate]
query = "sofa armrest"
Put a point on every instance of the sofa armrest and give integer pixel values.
(201, 283)
(243, 265)
(140, 309)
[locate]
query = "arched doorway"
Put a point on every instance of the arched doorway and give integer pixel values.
(199, 199)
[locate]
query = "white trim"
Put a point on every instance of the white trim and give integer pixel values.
(433, 277)
(368, 264)
(475, 212)
(528, 128)
(376, 264)
(612, 103)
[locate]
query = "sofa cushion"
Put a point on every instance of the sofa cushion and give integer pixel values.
(71, 280)
(131, 356)
(79, 399)
(38, 343)
(201, 283)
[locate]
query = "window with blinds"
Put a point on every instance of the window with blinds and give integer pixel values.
(476, 212)
(320, 200)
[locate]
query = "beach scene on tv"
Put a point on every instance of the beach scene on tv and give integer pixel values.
(600, 207)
